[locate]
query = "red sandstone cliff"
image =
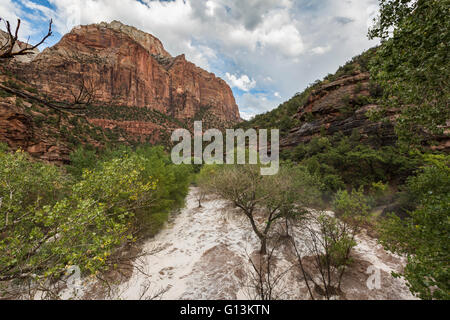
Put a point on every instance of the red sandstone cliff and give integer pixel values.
(131, 68)
(342, 106)
(140, 92)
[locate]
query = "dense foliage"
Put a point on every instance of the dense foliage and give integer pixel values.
(341, 161)
(51, 220)
(423, 236)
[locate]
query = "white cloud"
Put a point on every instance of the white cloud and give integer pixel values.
(200, 55)
(255, 103)
(243, 83)
(11, 11)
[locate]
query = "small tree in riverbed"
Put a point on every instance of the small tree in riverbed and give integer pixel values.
(329, 242)
(203, 181)
(267, 198)
(265, 280)
(328, 245)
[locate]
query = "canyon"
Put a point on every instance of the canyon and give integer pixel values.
(128, 81)
(343, 106)
(210, 260)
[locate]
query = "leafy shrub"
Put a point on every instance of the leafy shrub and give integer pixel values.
(376, 91)
(351, 205)
(50, 220)
(4, 94)
(344, 161)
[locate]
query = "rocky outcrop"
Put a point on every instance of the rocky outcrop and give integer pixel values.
(124, 66)
(343, 105)
(15, 126)
(340, 106)
(137, 92)
(141, 131)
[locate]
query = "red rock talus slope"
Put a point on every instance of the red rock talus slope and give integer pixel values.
(41, 131)
(343, 106)
(127, 67)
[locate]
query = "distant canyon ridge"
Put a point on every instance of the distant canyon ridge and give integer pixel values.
(134, 87)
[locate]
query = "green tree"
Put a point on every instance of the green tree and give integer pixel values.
(424, 236)
(352, 207)
(80, 160)
(44, 230)
(412, 64)
(329, 241)
(50, 221)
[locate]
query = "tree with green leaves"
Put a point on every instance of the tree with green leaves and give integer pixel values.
(424, 236)
(271, 198)
(328, 243)
(45, 230)
(412, 65)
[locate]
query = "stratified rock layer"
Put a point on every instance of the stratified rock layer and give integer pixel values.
(340, 106)
(123, 66)
(129, 67)
(139, 92)
(343, 106)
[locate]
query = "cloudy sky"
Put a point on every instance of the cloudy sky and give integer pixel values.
(267, 50)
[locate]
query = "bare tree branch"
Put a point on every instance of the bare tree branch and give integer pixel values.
(25, 95)
(84, 93)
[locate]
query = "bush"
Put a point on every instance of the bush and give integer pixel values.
(281, 196)
(423, 236)
(352, 205)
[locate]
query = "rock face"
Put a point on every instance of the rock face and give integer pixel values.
(340, 106)
(123, 66)
(135, 91)
(343, 106)
(15, 127)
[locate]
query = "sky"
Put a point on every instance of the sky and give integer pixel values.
(266, 50)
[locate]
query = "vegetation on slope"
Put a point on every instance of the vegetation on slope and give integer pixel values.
(341, 162)
(409, 74)
(413, 65)
(282, 117)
